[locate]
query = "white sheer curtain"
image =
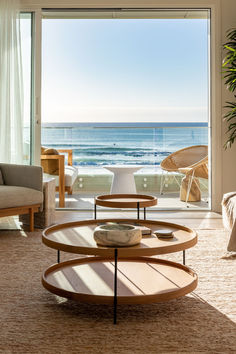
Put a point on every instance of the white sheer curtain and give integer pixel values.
(11, 84)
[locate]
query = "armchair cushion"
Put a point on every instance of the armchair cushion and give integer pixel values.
(71, 173)
(50, 166)
(22, 176)
(1, 178)
(14, 196)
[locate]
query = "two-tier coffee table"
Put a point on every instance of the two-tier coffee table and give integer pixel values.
(125, 201)
(125, 275)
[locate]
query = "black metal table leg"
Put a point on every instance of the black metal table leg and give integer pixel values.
(58, 256)
(115, 289)
(138, 210)
(183, 257)
(95, 210)
(144, 213)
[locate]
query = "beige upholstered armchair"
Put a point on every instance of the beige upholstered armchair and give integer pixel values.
(53, 164)
(21, 190)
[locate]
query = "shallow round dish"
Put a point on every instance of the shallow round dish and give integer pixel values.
(164, 233)
(117, 235)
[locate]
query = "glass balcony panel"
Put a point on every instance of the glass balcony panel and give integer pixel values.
(97, 145)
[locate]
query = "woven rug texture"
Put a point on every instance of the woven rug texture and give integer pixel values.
(36, 321)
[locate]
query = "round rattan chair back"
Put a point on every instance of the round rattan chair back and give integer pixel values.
(184, 158)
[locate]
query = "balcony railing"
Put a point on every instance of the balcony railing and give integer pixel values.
(146, 144)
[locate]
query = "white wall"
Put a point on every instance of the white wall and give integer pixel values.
(223, 11)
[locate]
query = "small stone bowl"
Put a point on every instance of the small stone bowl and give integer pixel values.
(117, 235)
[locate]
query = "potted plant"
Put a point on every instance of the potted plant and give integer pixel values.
(229, 73)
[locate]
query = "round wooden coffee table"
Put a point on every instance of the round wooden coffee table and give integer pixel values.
(125, 201)
(124, 275)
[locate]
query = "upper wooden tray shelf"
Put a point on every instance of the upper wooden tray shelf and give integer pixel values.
(77, 237)
(126, 200)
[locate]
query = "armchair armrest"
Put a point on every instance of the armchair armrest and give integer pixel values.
(199, 163)
(61, 160)
(70, 155)
(23, 176)
(189, 169)
(53, 157)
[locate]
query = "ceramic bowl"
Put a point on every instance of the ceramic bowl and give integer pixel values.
(117, 235)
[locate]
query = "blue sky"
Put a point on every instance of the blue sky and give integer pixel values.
(133, 70)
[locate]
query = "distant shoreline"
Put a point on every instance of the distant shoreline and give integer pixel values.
(126, 125)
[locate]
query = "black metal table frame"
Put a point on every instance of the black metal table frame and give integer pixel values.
(138, 211)
(115, 280)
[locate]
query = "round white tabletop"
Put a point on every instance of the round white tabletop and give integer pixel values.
(123, 178)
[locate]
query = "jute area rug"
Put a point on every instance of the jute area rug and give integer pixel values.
(36, 321)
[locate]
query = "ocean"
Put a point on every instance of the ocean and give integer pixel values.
(123, 143)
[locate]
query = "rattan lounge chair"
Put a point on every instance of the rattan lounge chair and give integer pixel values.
(191, 161)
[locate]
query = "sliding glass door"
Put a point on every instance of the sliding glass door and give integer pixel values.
(126, 87)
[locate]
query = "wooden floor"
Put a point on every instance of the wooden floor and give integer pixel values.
(85, 201)
(194, 219)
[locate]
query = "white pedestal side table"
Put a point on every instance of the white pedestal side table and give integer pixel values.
(123, 178)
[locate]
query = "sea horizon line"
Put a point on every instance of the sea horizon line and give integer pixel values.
(125, 125)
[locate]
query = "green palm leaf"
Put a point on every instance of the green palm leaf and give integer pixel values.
(229, 75)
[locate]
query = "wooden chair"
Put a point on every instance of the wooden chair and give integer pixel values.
(191, 161)
(61, 183)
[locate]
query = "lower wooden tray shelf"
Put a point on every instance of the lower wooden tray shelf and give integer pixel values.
(140, 280)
